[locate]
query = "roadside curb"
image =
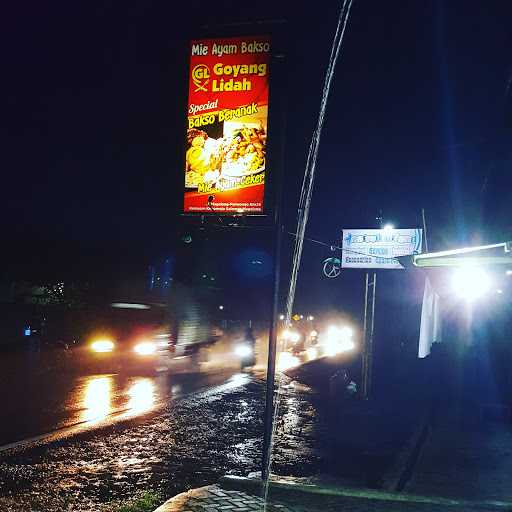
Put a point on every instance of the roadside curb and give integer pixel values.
(212, 498)
(400, 473)
(292, 492)
(177, 503)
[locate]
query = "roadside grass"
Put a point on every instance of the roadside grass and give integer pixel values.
(145, 503)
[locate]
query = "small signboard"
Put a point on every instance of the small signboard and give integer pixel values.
(379, 248)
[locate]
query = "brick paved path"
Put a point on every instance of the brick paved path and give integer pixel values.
(214, 499)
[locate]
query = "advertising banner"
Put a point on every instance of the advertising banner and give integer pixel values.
(226, 133)
(378, 248)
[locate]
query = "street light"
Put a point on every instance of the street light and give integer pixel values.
(470, 283)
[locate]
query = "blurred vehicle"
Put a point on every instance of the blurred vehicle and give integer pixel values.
(246, 349)
(127, 336)
(325, 348)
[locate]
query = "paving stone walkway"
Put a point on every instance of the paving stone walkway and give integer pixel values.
(214, 499)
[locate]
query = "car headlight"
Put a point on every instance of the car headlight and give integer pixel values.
(290, 335)
(102, 345)
(145, 348)
(243, 350)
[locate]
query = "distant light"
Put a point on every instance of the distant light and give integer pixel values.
(221, 307)
(128, 305)
(290, 335)
(285, 361)
(311, 318)
(470, 283)
(347, 332)
(388, 227)
(281, 317)
(301, 317)
(312, 353)
(204, 276)
(499, 291)
(27, 331)
(243, 350)
(338, 340)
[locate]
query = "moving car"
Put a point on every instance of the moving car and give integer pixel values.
(128, 336)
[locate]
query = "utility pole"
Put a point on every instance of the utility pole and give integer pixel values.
(369, 326)
(268, 422)
(368, 334)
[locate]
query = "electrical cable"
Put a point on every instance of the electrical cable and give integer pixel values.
(305, 198)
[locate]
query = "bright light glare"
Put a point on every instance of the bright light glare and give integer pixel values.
(312, 353)
(389, 227)
(145, 348)
(281, 317)
(243, 350)
(470, 283)
(103, 345)
(311, 318)
(313, 333)
(287, 361)
(347, 332)
(508, 272)
(292, 336)
(338, 340)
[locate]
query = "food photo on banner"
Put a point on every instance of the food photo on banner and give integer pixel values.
(226, 133)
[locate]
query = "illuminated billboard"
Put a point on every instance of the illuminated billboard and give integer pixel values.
(226, 133)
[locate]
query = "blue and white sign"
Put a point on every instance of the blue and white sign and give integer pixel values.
(378, 248)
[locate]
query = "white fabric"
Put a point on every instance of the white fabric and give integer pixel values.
(431, 321)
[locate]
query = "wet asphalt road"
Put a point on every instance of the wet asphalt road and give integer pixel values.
(114, 436)
(41, 395)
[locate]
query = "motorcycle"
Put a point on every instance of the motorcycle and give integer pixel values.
(245, 351)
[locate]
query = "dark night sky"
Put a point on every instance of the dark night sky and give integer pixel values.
(95, 96)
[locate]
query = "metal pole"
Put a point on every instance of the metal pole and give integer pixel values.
(424, 228)
(271, 363)
(364, 362)
(370, 339)
(272, 337)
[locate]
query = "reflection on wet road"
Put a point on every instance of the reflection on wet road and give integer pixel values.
(97, 396)
(101, 395)
(35, 405)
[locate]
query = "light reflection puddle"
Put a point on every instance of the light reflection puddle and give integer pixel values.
(142, 396)
(97, 399)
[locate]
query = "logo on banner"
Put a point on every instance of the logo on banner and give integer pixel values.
(201, 77)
